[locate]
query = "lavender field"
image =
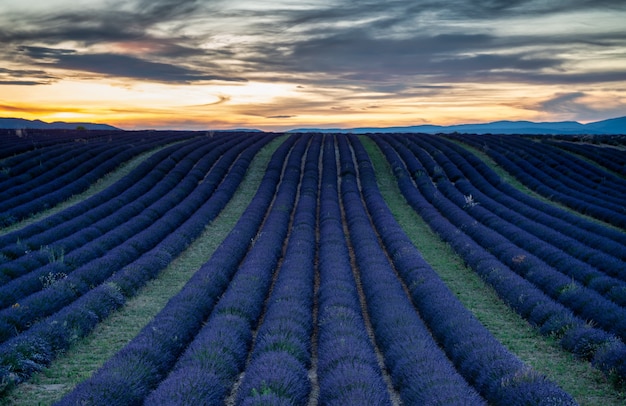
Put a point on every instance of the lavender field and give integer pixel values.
(317, 296)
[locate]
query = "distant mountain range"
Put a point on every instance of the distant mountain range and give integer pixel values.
(20, 123)
(610, 126)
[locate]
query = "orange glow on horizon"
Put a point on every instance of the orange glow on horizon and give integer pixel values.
(271, 106)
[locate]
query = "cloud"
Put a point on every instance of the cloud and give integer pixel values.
(563, 102)
(582, 105)
(489, 9)
(221, 100)
(343, 43)
(38, 109)
(25, 77)
(117, 65)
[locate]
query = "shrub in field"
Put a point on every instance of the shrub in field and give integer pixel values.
(277, 373)
(584, 342)
(353, 383)
(610, 358)
(266, 399)
(192, 386)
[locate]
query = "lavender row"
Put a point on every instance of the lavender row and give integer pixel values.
(114, 250)
(583, 301)
(278, 365)
(563, 171)
(347, 365)
(579, 172)
(75, 175)
(53, 163)
(483, 236)
(159, 344)
(25, 167)
(590, 233)
(550, 318)
(577, 240)
(15, 142)
(81, 219)
(22, 204)
(482, 360)
(219, 350)
(21, 287)
(60, 219)
(610, 158)
(33, 349)
(521, 232)
(92, 225)
(536, 179)
(98, 235)
(419, 368)
(576, 199)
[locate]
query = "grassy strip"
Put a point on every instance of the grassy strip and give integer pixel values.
(586, 384)
(98, 186)
(86, 356)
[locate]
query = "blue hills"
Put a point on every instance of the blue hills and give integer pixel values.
(20, 123)
(612, 126)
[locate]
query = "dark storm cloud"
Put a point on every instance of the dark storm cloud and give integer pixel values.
(379, 44)
(383, 46)
(25, 77)
(117, 65)
(446, 56)
(141, 52)
(352, 56)
(98, 25)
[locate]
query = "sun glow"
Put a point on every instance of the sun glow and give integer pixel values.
(270, 106)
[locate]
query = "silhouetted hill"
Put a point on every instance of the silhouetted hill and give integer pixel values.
(610, 126)
(20, 123)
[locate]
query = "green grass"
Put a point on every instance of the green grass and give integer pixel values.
(586, 384)
(86, 356)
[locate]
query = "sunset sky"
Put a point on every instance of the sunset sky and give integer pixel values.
(277, 65)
